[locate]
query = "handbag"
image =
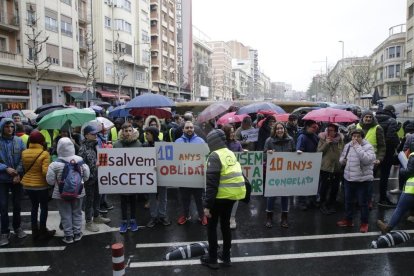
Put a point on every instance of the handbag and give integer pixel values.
(31, 165)
(346, 155)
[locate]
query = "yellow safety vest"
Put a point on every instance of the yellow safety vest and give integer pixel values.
(114, 135)
(160, 136)
(371, 136)
(48, 139)
(409, 185)
(25, 139)
(400, 132)
(231, 185)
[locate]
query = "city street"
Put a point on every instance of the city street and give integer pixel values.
(312, 245)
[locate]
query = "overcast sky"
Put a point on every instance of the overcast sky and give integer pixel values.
(295, 37)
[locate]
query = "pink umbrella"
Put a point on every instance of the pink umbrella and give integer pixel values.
(331, 115)
(231, 118)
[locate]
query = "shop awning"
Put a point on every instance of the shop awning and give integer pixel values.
(76, 95)
(107, 94)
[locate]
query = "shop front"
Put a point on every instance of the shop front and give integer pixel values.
(13, 95)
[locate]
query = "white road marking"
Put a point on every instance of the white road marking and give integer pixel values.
(20, 269)
(280, 257)
(32, 249)
(277, 239)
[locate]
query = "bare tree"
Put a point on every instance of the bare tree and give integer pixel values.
(36, 42)
(87, 66)
(331, 82)
(358, 76)
(120, 72)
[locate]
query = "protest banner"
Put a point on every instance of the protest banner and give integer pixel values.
(127, 170)
(252, 166)
(250, 135)
(290, 174)
(181, 165)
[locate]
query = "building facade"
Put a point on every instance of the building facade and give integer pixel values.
(222, 83)
(409, 48)
(202, 71)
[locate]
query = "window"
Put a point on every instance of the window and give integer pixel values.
(122, 25)
(409, 56)
(108, 69)
(3, 44)
(66, 25)
(51, 23)
(144, 16)
(31, 16)
(410, 34)
(67, 58)
(108, 45)
(145, 36)
(410, 11)
(141, 76)
(145, 55)
(125, 4)
(52, 53)
(18, 49)
(69, 2)
(107, 22)
(394, 52)
(397, 71)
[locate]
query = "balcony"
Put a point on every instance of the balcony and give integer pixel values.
(409, 65)
(10, 58)
(9, 22)
(155, 47)
(83, 18)
(82, 44)
(154, 30)
(154, 15)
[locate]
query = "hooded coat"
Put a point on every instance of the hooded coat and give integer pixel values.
(132, 142)
(330, 152)
(66, 152)
(386, 119)
(11, 149)
(147, 122)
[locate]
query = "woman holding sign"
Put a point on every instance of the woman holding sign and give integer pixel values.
(279, 141)
(128, 138)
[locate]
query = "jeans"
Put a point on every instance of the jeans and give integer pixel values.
(132, 205)
(158, 208)
(17, 191)
(271, 203)
(71, 216)
(222, 210)
(329, 180)
(186, 200)
(39, 197)
(91, 200)
(358, 190)
(406, 203)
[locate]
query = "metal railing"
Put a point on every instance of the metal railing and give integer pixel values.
(7, 55)
(9, 18)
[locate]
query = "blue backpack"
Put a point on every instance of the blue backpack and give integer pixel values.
(70, 184)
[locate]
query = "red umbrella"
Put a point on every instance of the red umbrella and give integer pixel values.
(282, 117)
(331, 115)
(161, 113)
(230, 118)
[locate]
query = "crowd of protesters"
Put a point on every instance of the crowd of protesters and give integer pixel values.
(31, 162)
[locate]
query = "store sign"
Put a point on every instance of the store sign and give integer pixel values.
(14, 105)
(14, 92)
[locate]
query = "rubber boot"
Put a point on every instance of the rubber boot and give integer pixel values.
(269, 219)
(284, 220)
(35, 231)
(45, 233)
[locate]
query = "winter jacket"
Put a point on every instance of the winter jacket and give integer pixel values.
(66, 152)
(35, 177)
(147, 122)
(88, 153)
(359, 162)
(132, 142)
(408, 172)
(390, 126)
(264, 133)
(307, 142)
(293, 131)
(277, 144)
(194, 139)
(10, 154)
(331, 152)
(234, 146)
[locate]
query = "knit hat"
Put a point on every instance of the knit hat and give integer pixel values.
(36, 138)
(366, 112)
(390, 108)
(216, 139)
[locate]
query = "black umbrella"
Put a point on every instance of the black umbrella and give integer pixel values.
(44, 107)
(375, 97)
(47, 111)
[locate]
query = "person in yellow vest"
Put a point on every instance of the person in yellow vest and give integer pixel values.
(374, 134)
(21, 133)
(224, 186)
(49, 135)
(153, 121)
(406, 201)
(113, 133)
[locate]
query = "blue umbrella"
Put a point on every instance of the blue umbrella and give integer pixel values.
(150, 100)
(255, 107)
(119, 111)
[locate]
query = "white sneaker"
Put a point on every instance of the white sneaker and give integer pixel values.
(101, 220)
(233, 223)
(91, 227)
(395, 191)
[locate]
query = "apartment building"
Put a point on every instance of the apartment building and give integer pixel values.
(202, 71)
(164, 47)
(222, 82)
(55, 49)
(409, 48)
(387, 62)
(242, 80)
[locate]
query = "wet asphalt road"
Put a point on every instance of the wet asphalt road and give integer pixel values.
(312, 245)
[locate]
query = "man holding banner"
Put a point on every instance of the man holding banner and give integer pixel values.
(190, 137)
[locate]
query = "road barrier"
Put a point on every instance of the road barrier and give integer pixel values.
(118, 260)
